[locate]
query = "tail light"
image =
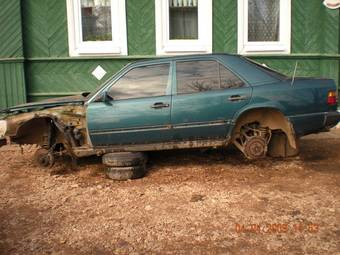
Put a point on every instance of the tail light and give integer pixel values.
(332, 98)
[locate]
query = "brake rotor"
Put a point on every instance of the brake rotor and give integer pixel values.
(43, 158)
(255, 147)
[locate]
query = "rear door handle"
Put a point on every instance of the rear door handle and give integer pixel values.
(159, 105)
(237, 98)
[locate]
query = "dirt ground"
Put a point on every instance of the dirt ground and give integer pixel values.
(191, 202)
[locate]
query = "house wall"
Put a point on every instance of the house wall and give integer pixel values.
(12, 82)
(51, 72)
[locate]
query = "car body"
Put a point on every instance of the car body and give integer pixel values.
(181, 102)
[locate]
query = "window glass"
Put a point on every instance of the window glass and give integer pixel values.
(197, 76)
(268, 70)
(228, 79)
(146, 81)
(263, 20)
(96, 20)
(183, 15)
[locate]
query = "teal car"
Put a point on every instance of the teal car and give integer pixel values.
(180, 102)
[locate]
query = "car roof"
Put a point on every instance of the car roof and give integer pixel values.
(183, 57)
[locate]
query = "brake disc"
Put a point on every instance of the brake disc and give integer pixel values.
(255, 147)
(43, 158)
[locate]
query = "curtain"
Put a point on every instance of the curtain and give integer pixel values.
(95, 3)
(183, 3)
(183, 15)
(263, 20)
(96, 20)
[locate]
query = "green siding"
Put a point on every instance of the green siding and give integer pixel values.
(141, 27)
(56, 78)
(45, 28)
(10, 29)
(225, 26)
(12, 85)
(315, 28)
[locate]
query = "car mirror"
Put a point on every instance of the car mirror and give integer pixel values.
(107, 98)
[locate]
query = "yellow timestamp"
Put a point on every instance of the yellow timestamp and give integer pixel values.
(277, 228)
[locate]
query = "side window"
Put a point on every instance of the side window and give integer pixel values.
(145, 81)
(228, 79)
(197, 76)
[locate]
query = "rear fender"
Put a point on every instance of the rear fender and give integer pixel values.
(269, 117)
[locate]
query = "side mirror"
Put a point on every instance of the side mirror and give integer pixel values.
(107, 99)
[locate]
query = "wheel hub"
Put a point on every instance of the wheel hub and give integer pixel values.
(44, 158)
(255, 147)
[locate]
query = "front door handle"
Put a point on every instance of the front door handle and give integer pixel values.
(237, 98)
(159, 105)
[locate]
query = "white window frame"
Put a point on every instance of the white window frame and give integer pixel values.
(165, 46)
(77, 47)
(277, 47)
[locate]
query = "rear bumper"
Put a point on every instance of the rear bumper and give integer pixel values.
(332, 119)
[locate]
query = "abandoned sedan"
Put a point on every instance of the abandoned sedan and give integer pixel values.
(179, 102)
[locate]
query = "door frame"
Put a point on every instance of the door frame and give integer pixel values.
(174, 91)
(107, 85)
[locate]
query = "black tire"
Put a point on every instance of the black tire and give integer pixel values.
(126, 173)
(123, 159)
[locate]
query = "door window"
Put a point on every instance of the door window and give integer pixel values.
(228, 79)
(200, 76)
(145, 81)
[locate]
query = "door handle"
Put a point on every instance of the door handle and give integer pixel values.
(159, 105)
(237, 98)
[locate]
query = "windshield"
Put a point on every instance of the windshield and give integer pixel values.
(268, 70)
(109, 80)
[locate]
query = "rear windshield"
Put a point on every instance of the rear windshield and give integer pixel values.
(268, 70)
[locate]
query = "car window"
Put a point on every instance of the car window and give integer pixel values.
(197, 76)
(144, 81)
(228, 79)
(266, 69)
(204, 75)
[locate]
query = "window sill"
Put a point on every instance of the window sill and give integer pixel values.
(264, 48)
(185, 49)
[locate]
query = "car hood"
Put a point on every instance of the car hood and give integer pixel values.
(59, 101)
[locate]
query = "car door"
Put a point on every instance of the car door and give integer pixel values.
(137, 108)
(205, 99)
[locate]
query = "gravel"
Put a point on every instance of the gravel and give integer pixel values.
(190, 202)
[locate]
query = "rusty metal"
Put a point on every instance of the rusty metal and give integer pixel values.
(64, 125)
(253, 140)
(44, 158)
(268, 118)
(88, 151)
(255, 147)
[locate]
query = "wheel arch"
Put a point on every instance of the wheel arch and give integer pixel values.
(271, 117)
(37, 130)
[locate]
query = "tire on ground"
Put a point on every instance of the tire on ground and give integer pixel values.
(126, 173)
(123, 159)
